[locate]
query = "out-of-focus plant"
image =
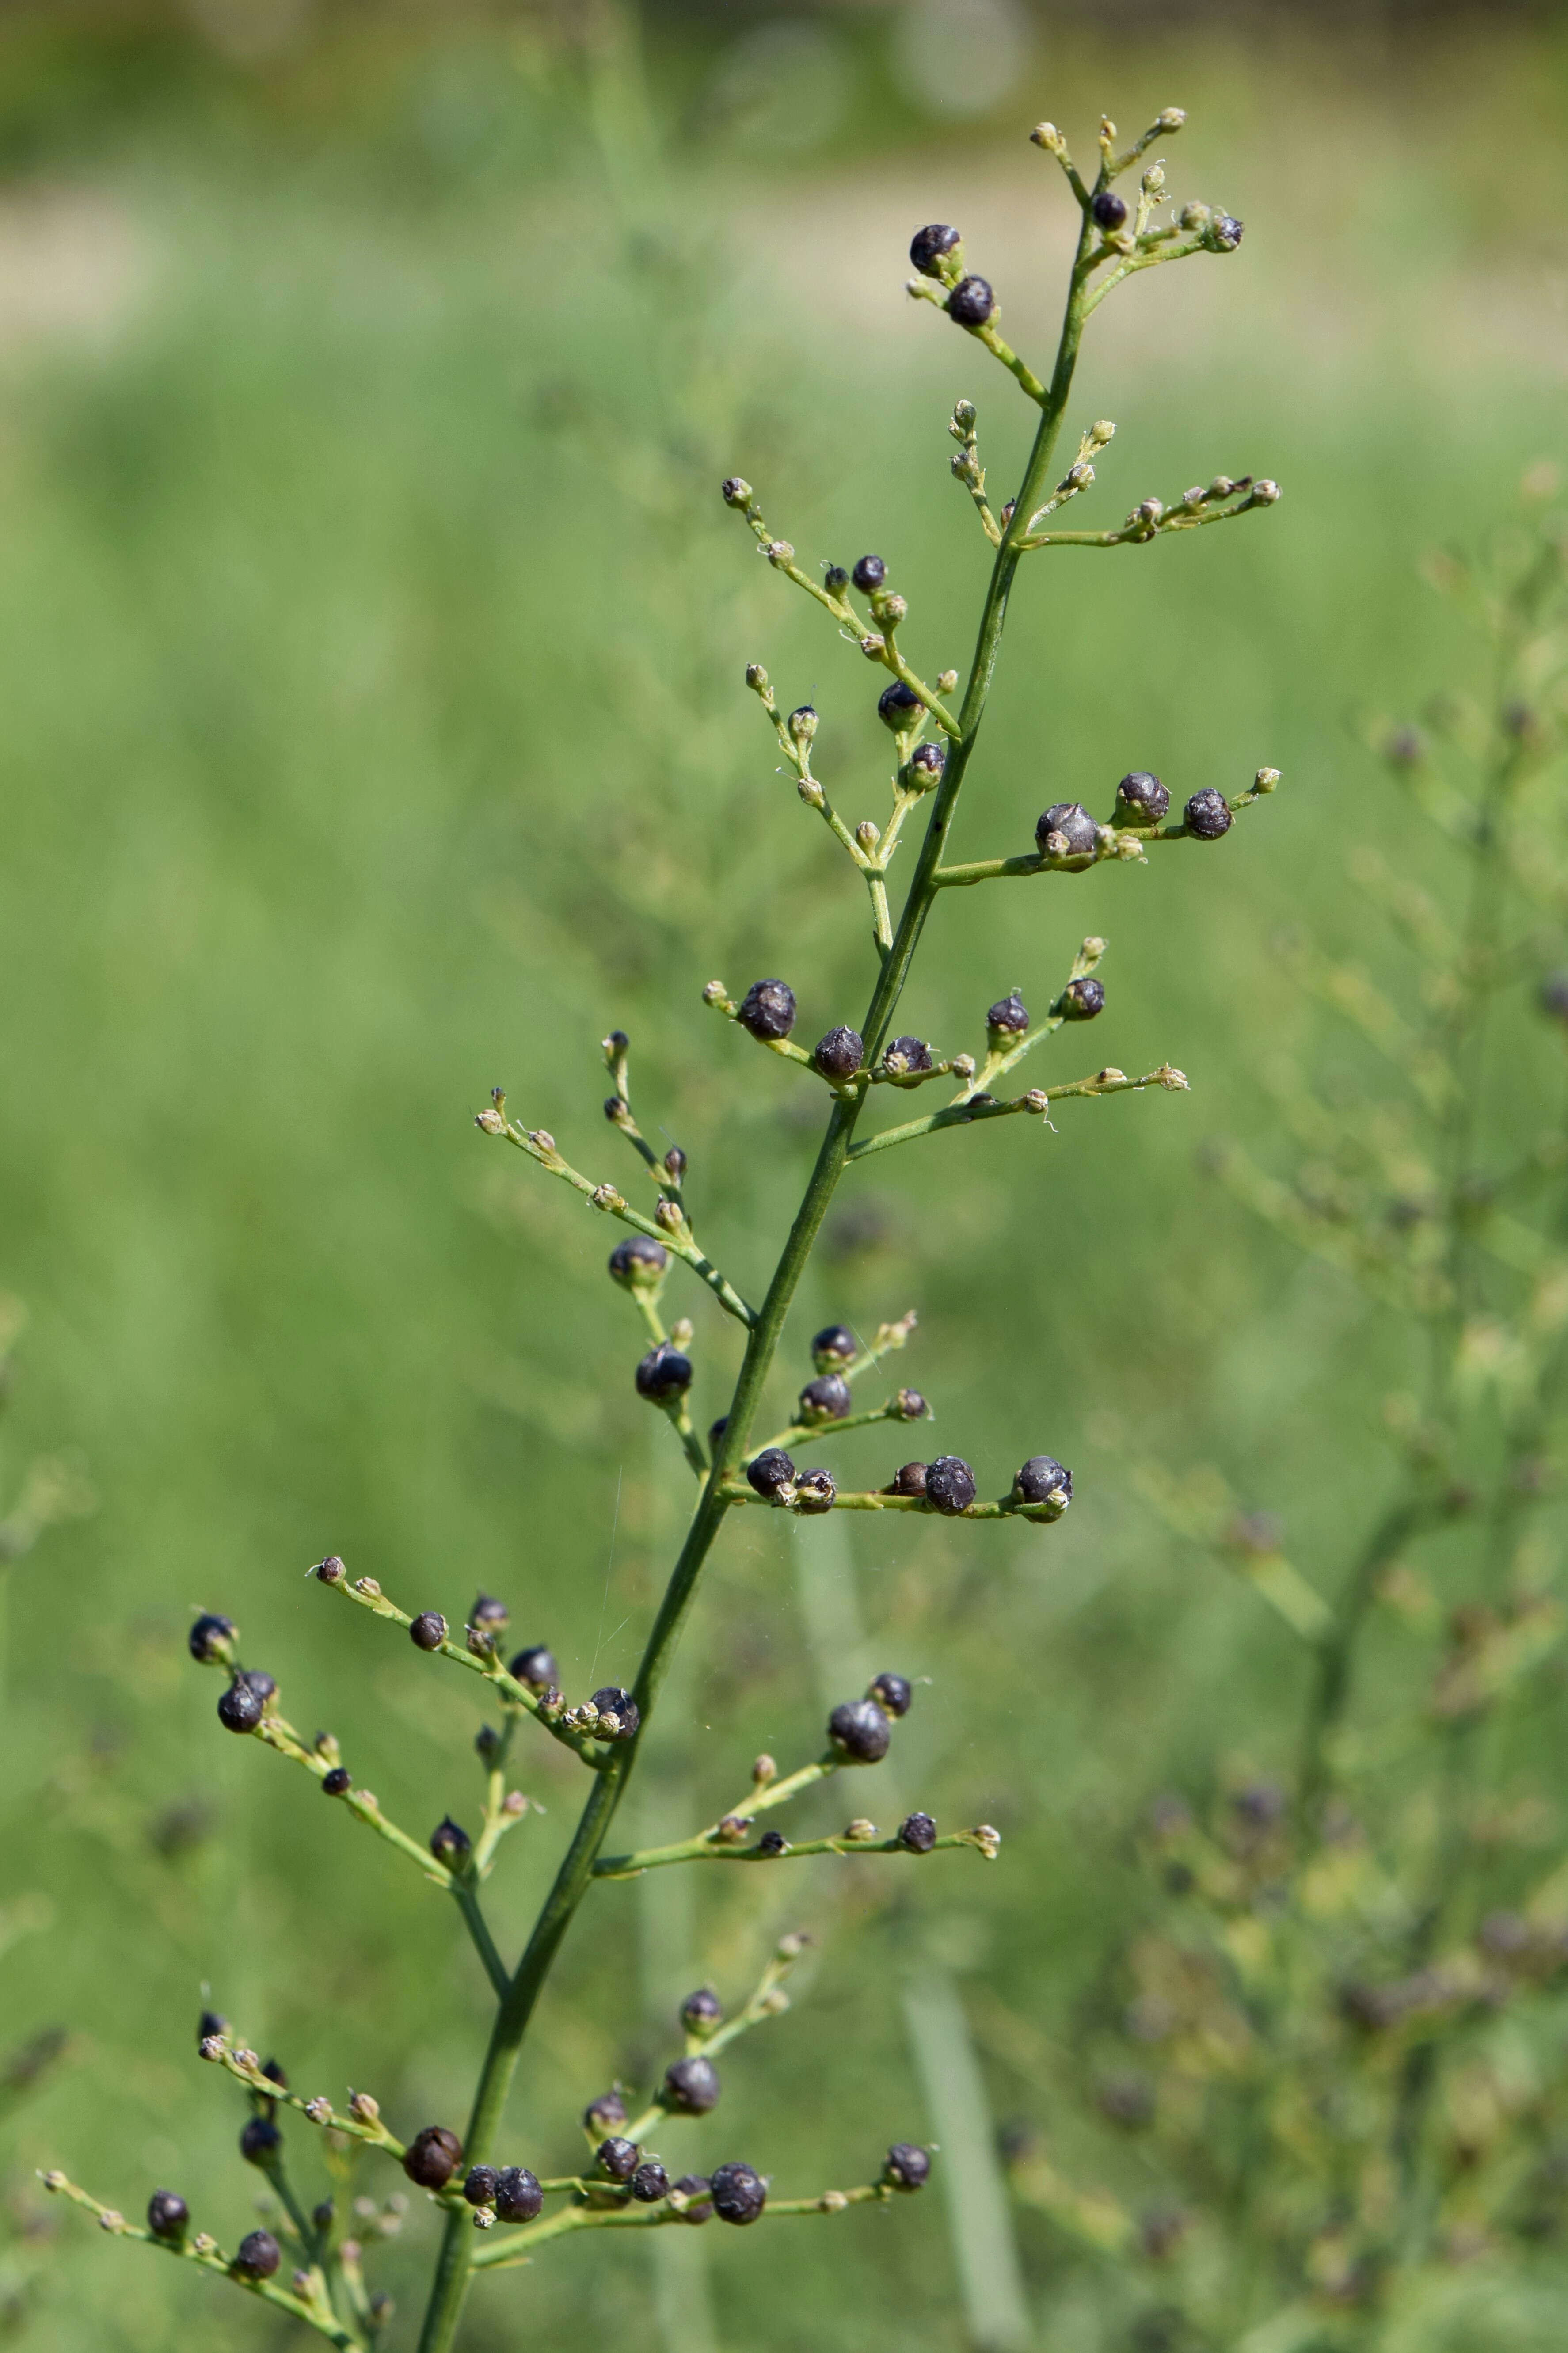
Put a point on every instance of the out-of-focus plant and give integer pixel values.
(498, 2213)
(1339, 2036)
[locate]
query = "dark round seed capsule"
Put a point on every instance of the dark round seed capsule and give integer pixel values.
(1009, 1013)
(619, 1707)
(694, 2187)
(489, 1612)
(835, 1345)
(906, 2167)
(261, 2141)
(450, 1843)
(738, 2194)
(618, 2158)
(716, 1430)
(815, 1490)
(892, 1692)
(324, 2215)
(1084, 998)
(429, 1631)
(330, 1571)
(837, 1055)
(701, 2012)
(971, 303)
(240, 1708)
(518, 2196)
(637, 1263)
(535, 1667)
(911, 1480)
(928, 246)
(432, 2157)
(910, 1406)
(675, 1161)
(906, 1054)
(1553, 995)
(835, 580)
(691, 2087)
(1226, 232)
(1074, 823)
(257, 2255)
(1208, 814)
(859, 1731)
(1109, 209)
(261, 1681)
(1041, 1476)
(826, 1399)
(650, 2182)
(772, 1842)
(927, 761)
(950, 1483)
(479, 2184)
(210, 2024)
(1142, 797)
(772, 1470)
(602, 2115)
(767, 1010)
(338, 1782)
(167, 2214)
(869, 572)
(917, 1832)
(275, 2073)
(899, 707)
(210, 1636)
(663, 1374)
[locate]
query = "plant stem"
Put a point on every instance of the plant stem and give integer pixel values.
(571, 1880)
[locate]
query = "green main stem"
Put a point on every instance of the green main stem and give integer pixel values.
(516, 2006)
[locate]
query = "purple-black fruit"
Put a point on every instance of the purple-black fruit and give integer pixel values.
(859, 1731)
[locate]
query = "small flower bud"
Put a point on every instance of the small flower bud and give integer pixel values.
(663, 1374)
(988, 1840)
(1171, 117)
(1267, 780)
(815, 1491)
(892, 1692)
(542, 1140)
(257, 2255)
(889, 609)
(432, 2157)
(835, 580)
(1155, 181)
(778, 551)
(1037, 1100)
(491, 1120)
(917, 1833)
(1195, 215)
(950, 1484)
(330, 1571)
(619, 1714)
(429, 1631)
(1225, 234)
(320, 2111)
(736, 492)
(1046, 135)
(1265, 494)
(906, 2167)
(767, 1010)
(859, 1732)
(837, 1055)
(1072, 823)
(1207, 814)
(946, 679)
(734, 1829)
(668, 1215)
(860, 1831)
(867, 835)
(366, 2106)
(607, 1198)
(682, 1331)
(873, 647)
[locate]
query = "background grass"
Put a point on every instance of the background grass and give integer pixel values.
(370, 637)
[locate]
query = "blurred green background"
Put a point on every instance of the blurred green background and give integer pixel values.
(371, 645)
